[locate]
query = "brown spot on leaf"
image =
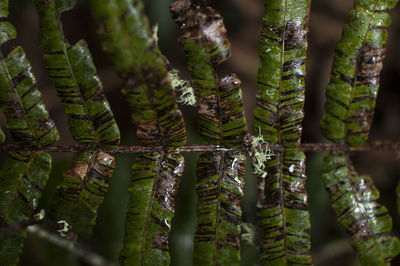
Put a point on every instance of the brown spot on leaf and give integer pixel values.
(202, 24)
(161, 242)
(79, 170)
(295, 34)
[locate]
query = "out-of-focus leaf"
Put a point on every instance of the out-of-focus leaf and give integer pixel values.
(22, 179)
(74, 76)
(24, 173)
(129, 42)
(136, 56)
(3, 8)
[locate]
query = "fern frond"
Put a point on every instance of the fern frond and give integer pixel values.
(24, 173)
(133, 50)
(73, 74)
(284, 215)
(27, 118)
(221, 119)
(156, 177)
(72, 71)
(352, 90)
(134, 53)
(351, 95)
(354, 199)
(219, 188)
(3, 8)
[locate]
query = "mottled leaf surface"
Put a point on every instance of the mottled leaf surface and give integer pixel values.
(129, 43)
(128, 40)
(220, 175)
(24, 173)
(82, 190)
(27, 118)
(351, 95)
(74, 76)
(352, 90)
(150, 209)
(22, 179)
(354, 199)
(278, 116)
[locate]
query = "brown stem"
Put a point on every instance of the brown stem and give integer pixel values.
(307, 147)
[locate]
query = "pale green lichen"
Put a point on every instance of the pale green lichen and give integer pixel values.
(155, 33)
(63, 231)
(40, 215)
(186, 93)
(249, 234)
(260, 153)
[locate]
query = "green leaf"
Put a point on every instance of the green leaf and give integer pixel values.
(136, 57)
(74, 76)
(204, 50)
(92, 92)
(285, 220)
(2, 136)
(3, 8)
(283, 207)
(150, 208)
(7, 32)
(280, 96)
(352, 90)
(27, 118)
(354, 199)
(220, 190)
(221, 120)
(128, 40)
(82, 190)
(22, 179)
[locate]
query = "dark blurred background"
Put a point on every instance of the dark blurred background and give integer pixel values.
(243, 22)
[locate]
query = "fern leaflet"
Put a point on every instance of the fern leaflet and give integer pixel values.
(24, 173)
(354, 199)
(91, 120)
(221, 119)
(278, 115)
(127, 38)
(351, 95)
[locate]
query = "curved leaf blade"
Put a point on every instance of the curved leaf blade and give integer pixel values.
(27, 118)
(282, 203)
(82, 191)
(136, 56)
(156, 177)
(220, 190)
(221, 120)
(351, 93)
(71, 71)
(22, 179)
(354, 199)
